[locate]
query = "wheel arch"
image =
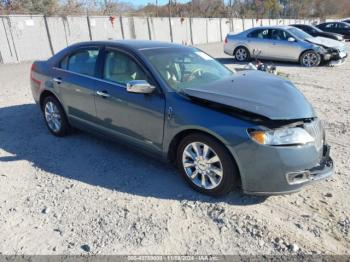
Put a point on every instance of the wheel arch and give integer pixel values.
(45, 93)
(241, 45)
(303, 52)
(175, 142)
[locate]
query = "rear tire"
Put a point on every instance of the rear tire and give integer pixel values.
(310, 59)
(207, 165)
(241, 54)
(55, 117)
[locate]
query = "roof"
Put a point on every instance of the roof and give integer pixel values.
(135, 44)
(273, 27)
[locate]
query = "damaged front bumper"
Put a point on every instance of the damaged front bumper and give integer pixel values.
(322, 171)
(283, 170)
(335, 57)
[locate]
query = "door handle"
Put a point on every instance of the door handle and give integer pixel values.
(57, 80)
(104, 94)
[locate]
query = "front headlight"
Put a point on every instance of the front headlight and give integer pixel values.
(282, 136)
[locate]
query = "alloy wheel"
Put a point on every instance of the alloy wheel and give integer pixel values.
(310, 59)
(241, 54)
(53, 117)
(202, 165)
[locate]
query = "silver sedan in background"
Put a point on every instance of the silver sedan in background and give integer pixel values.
(284, 43)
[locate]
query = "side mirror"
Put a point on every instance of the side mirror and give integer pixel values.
(139, 87)
(291, 39)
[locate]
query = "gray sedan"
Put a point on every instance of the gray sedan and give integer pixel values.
(284, 43)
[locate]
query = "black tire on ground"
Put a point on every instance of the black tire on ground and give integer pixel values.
(64, 127)
(310, 59)
(230, 177)
(241, 54)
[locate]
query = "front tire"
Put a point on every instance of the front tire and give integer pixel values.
(55, 117)
(241, 54)
(207, 165)
(310, 59)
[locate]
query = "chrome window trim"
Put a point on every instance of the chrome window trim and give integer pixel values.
(91, 77)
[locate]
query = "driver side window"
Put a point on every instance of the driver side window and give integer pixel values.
(121, 68)
(277, 34)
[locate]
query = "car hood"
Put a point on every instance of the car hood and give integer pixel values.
(258, 93)
(326, 42)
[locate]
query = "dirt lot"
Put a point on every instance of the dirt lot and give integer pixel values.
(82, 194)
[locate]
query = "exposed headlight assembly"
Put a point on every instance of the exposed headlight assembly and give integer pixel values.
(320, 49)
(282, 136)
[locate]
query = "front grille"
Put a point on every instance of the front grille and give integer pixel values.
(315, 129)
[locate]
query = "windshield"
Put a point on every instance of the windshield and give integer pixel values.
(315, 28)
(186, 67)
(299, 33)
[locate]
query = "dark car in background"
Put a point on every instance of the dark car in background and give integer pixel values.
(336, 27)
(314, 31)
(221, 128)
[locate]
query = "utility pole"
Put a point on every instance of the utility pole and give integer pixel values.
(156, 8)
(169, 6)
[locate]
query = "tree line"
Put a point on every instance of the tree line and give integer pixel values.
(194, 8)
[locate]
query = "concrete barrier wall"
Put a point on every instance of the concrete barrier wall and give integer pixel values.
(237, 25)
(57, 31)
(30, 37)
(214, 30)
(160, 28)
(265, 22)
(226, 27)
(76, 29)
(199, 30)
(248, 23)
(104, 27)
(141, 28)
(181, 29)
(24, 37)
(7, 50)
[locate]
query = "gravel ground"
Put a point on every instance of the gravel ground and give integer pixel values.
(82, 194)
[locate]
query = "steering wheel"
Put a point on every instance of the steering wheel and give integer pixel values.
(195, 72)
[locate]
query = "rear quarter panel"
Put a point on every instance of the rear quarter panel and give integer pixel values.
(233, 41)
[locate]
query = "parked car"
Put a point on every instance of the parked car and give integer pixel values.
(336, 27)
(346, 20)
(314, 31)
(221, 128)
(283, 43)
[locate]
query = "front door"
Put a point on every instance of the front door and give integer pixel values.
(281, 48)
(136, 117)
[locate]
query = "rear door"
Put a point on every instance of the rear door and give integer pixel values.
(75, 79)
(138, 118)
(258, 43)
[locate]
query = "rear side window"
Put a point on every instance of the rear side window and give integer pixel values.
(329, 26)
(82, 62)
(259, 33)
(342, 26)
